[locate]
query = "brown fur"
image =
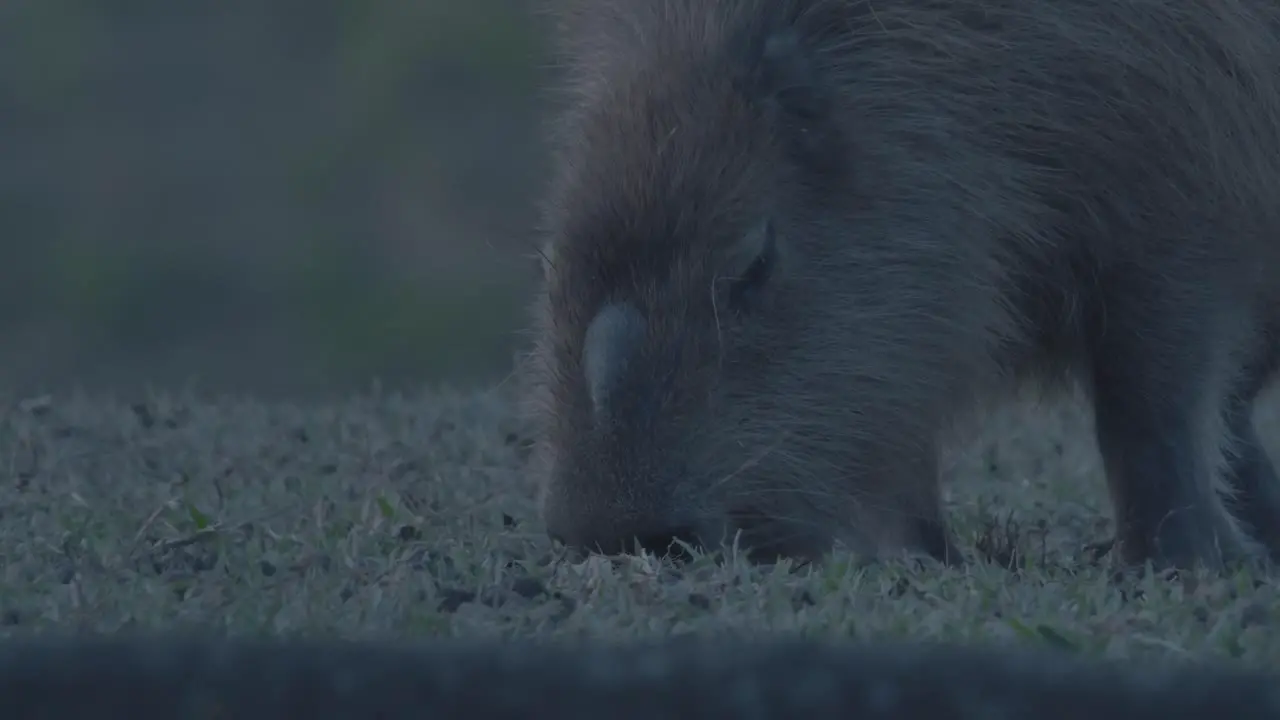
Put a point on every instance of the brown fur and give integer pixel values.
(789, 241)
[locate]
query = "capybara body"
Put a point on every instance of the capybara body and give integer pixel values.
(790, 242)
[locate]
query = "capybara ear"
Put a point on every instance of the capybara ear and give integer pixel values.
(788, 78)
(789, 82)
(784, 44)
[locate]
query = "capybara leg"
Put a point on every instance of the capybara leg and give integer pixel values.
(936, 540)
(1251, 473)
(1156, 413)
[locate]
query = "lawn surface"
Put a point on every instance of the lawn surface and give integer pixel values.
(408, 515)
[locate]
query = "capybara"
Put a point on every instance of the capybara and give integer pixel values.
(791, 242)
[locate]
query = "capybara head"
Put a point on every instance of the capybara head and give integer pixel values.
(710, 360)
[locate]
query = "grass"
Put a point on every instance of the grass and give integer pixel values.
(408, 515)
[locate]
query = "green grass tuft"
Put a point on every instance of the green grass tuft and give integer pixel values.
(393, 516)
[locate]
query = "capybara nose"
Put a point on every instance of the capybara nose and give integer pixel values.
(616, 539)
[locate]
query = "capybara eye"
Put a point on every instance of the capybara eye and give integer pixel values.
(745, 290)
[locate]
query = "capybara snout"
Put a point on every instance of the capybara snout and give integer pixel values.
(790, 243)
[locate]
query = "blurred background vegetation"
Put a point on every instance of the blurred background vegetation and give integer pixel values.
(271, 196)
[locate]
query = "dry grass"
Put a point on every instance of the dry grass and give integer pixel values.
(408, 516)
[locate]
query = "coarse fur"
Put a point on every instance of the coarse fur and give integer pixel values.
(165, 677)
(789, 242)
